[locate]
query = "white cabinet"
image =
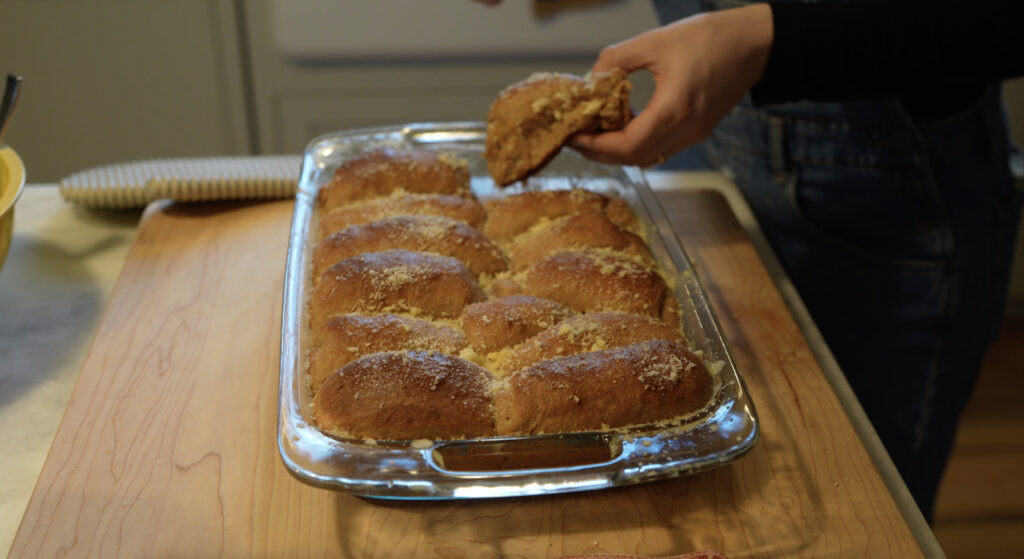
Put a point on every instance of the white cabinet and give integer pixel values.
(324, 65)
(334, 30)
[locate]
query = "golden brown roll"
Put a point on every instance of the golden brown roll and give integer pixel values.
(342, 339)
(503, 287)
(531, 120)
(621, 214)
(587, 332)
(591, 281)
(421, 233)
(385, 170)
(464, 209)
(588, 229)
(402, 395)
(397, 281)
(500, 323)
(636, 384)
(512, 215)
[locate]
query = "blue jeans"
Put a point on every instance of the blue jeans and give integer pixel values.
(898, 235)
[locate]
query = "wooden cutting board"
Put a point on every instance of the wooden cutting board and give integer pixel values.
(168, 445)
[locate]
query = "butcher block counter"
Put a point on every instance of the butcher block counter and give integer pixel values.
(167, 446)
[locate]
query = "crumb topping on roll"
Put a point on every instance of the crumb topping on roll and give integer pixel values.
(408, 394)
(386, 170)
(462, 208)
(344, 338)
(434, 316)
(420, 233)
(639, 383)
(585, 333)
(396, 281)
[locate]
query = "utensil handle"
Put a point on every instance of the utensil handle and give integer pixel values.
(11, 90)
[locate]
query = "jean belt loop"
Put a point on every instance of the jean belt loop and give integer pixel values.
(777, 149)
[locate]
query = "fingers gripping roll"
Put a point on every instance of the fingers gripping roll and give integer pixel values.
(530, 121)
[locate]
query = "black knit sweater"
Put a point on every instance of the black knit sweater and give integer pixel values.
(935, 56)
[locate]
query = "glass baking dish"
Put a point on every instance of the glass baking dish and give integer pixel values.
(505, 466)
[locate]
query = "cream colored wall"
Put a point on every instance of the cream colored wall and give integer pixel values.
(114, 80)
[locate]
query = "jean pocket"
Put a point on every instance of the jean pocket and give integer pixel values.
(879, 215)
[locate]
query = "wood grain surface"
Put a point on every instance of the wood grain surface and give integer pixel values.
(168, 445)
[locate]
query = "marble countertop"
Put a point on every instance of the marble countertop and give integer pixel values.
(63, 265)
(54, 286)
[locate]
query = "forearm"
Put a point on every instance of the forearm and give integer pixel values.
(869, 49)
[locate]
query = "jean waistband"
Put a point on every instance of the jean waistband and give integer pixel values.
(859, 134)
(847, 135)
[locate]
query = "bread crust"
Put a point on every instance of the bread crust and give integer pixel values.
(398, 281)
(465, 209)
(630, 385)
(575, 318)
(345, 338)
(401, 395)
(593, 281)
(420, 233)
(506, 321)
(385, 170)
(587, 229)
(513, 215)
(585, 333)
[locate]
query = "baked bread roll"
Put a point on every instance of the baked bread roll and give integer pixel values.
(510, 216)
(631, 385)
(592, 281)
(397, 309)
(621, 214)
(504, 322)
(421, 233)
(464, 209)
(396, 281)
(587, 332)
(504, 287)
(588, 229)
(531, 120)
(383, 171)
(342, 339)
(401, 395)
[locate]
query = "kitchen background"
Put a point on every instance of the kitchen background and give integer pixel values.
(115, 80)
(108, 81)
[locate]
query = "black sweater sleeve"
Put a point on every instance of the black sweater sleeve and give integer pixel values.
(909, 49)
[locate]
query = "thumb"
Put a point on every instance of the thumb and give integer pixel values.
(630, 55)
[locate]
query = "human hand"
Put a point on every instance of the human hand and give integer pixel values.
(702, 67)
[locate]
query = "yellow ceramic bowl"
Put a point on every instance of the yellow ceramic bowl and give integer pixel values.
(12, 180)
